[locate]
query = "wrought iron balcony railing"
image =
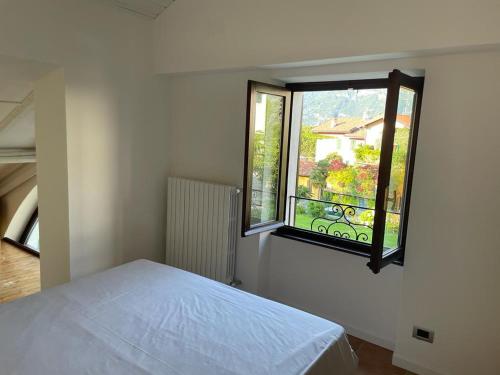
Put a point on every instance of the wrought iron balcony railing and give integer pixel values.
(332, 218)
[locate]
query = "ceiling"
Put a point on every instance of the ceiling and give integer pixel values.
(17, 118)
(19, 133)
(17, 114)
(148, 8)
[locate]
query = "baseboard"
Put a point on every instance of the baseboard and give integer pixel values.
(363, 335)
(359, 333)
(413, 367)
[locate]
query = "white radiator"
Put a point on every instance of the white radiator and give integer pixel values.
(202, 228)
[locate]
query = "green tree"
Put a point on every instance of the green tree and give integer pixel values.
(367, 154)
(315, 209)
(399, 154)
(343, 180)
(266, 151)
(320, 172)
(303, 192)
(266, 159)
(356, 180)
(308, 141)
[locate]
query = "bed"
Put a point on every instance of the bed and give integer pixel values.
(148, 318)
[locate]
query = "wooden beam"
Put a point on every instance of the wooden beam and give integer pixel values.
(16, 178)
(12, 115)
(8, 156)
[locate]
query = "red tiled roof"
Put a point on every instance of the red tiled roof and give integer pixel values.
(306, 166)
(340, 125)
(402, 119)
(358, 133)
(354, 127)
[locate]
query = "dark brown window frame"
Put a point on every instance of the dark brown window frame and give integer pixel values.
(29, 228)
(375, 251)
(397, 80)
(252, 90)
(21, 244)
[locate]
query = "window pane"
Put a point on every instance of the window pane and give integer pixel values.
(266, 157)
(339, 156)
(392, 237)
(33, 238)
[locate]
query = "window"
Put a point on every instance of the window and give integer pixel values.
(30, 237)
(335, 167)
(266, 148)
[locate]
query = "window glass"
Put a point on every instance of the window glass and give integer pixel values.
(266, 157)
(394, 204)
(33, 240)
(339, 156)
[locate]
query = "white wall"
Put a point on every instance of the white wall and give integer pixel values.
(115, 143)
(451, 276)
(194, 35)
(337, 286)
(52, 168)
(206, 117)
(450, 279)
(206, 141)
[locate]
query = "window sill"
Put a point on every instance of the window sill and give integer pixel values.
(308, 237)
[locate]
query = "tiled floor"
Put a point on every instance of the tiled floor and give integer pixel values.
(374, 360)
(19, 273)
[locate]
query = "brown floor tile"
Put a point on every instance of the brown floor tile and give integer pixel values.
(373, 359)
(19, 273)
(355, 342)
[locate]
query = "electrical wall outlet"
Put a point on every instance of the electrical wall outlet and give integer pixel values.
(423, 334)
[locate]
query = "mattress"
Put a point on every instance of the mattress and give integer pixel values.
(148, 318)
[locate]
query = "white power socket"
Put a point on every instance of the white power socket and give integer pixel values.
(423, 334)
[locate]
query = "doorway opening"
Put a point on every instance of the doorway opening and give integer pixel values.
(19, 231)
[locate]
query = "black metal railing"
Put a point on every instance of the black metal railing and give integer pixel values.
(332, 218)
(393, 199)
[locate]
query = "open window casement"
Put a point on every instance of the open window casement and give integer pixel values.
(268, 117)
(274, 195)
(411, 88)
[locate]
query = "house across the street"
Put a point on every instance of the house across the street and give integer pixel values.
(344, 134)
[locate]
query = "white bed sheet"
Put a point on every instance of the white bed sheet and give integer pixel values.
(148, 318)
